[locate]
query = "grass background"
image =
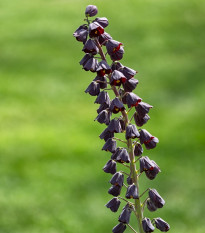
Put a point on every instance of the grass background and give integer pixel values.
(50, 159)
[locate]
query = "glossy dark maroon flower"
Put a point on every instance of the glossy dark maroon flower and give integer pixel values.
(93, 89)
(132, 99)
(125, 214)
(102, 98)
(104, 38)
(132, 132)
(156, 199)
(147, 225)
(95, 30)
(91, 10)
(116, 106)
(90, 47)
(103, 21)
(81, 33)
(140, 121)
(117, 78)
(106, 134)
(149, 141)
(113, 204)
(132, 192)
(103, 117)
(121, 155)
(138, 150)
(110, 145)
(114, 126)
(143, 108)
(103, 68)
(85, 59)
(130, 84)
(113, 46)
(128, 72)
(146, 164)
(161, 225)
(89, 63)
(115, 190)
(117, 179)
(150, 206)
(120, 228)
(151, 174)
(110, 167)
(102, 81)
(117, 55)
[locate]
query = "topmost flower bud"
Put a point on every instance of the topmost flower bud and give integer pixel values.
(91, 11)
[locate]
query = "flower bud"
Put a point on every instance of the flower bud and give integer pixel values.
(130, 85)
(91, 11)
(138, 150)
(95, 30)
(93, 89)
(147, 225)
(150, 206)
(110, 167)
(106, 134)
(116, 106)
(103, 117)
(151, 174)
(120, 228)
(132, 132)
(117, 179)
(146, 164)
(117, 78)
(161, 225)
(125, 215)
(132, 192)
(143, 108)
(103, 68)
(102, 98)
(114, 126)
(132, 99)
(149, 140)
(113, 204)
(140, 121)
(156, 199)
(81, 33)
(103, 21)
(110, 145)
(115, 190)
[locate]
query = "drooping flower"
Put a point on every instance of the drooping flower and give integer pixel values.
(113, 46)
(146, 164)
(115, 190)
(89, 63)
(130, 84)
(93, 89)
(104, 38)
(120, 228)
(106, 134)
(147, 139)
(117, 55)
(117, 78)
(150, 206)
(125, 214)
(140, 121)
(116, 106)
(102, 81)
(110, 145)
(143, 108)
(103, 21)
(113, 204)
(81, 34)
(156, 199)
(132, 99)
(132, 192)
(161, 225)
(91, 11)
(103, 117)
(147, 225)
(114, 126)
(103, 68)
(90, 47)
(110, 167)
(128, 72)
(138, 150)
(132, 132)
(117, 179)
(103, 98)
(102, 107)
(95, 30)
(151, 174)
(116, 66)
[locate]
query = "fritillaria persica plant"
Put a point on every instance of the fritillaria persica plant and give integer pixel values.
(120, 80)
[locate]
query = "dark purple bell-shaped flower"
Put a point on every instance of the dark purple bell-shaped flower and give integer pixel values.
(132, 132)
(150, 206)
(161, 225)
(120, 228)
(113, 46)
(116, 106)
(149, 140)
(89, 64)
(95, 30)
(117, 78)
(115, 190)
(103, 107)
(91, 11)
(146, 164)
(103, 21)
(117, 179)
(81, 34)
(156, 199)
(122, 123)
(104, 38)
(125, 214)
(106, 134)
(117, 55)
(113, 204)
(151, 174)
(138, 150)
(85, 59)
(114, 126)
(130, 85)
(103, 68)
(110, 145)
(93, 89)
(116, 66)
(147, 225)
(121, 156)
(140, 121)
(103, 98)
(128, 72)
(132, 99)
(110, 167)
(102, 81)
(103, 117)
(90, 47)
(143, 108)
(132, 192)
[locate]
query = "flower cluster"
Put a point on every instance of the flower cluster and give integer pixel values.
(121, 80)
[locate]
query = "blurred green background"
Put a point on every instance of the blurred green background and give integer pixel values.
(51, 178)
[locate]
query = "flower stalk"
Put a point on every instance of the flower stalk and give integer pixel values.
(122, 83)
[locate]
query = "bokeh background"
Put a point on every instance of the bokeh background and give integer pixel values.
(51, 178)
